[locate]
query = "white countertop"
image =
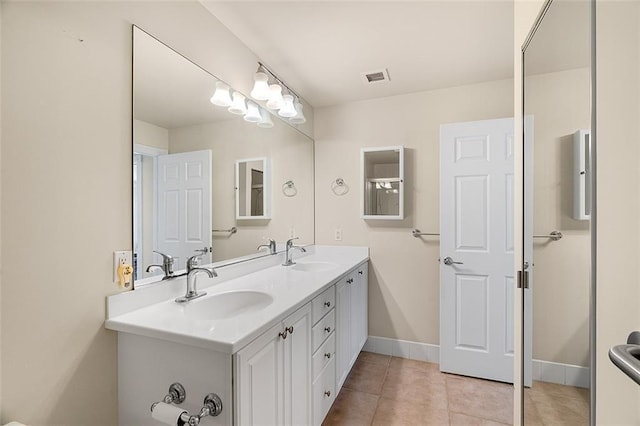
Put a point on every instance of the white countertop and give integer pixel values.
(289, 287)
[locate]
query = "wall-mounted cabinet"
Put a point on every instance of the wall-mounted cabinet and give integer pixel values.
(582, 175)
(382, 183)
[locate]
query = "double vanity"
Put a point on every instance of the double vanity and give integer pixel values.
(274, 342)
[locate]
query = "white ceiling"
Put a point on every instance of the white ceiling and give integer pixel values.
(320, 48)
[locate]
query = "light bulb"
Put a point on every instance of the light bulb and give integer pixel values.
(260, 90)
(221, 96)
(238, 106)
(299, 117)
(275, 97)
(266, 122)
(287, 109)
(253, 113)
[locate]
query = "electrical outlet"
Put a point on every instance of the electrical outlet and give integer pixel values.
(338, 234)
(121, 258)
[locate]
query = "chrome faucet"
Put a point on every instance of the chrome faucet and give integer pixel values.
(192, 291)
(271, 246)
(167, 265)
(289, 246)
(192, 271)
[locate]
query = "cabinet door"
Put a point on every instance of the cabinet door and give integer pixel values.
(260, 380)
(355, 313)
(343, 331)
(297, 367)
(362, 329)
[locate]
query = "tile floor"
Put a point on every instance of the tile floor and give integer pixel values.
(385, 390)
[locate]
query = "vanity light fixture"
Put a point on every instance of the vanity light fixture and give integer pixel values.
(288, 106)
(299, 118)
(275, 97)
(221, 96)
(253, 113)
(287, 110)
(238, 106)
(260, 90)
(265, 121)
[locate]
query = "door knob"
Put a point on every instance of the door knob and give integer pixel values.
(450, 261)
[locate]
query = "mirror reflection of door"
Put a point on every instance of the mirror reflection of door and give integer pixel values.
(557, 108)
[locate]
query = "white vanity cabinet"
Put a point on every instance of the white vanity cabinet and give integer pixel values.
(273, 374)
(351, 320)
(287, 373)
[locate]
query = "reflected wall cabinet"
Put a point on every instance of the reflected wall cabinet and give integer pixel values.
(382, 183)
(253, 188)
(582, 175)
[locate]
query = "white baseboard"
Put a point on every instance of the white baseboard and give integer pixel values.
(403, 349)
(562, 374)
(543, 371)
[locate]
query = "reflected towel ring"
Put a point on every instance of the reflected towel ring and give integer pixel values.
(339, 187)
(289, 189)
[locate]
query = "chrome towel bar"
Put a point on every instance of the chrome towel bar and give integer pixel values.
(553, 235)
(233, 230)
(416, 233)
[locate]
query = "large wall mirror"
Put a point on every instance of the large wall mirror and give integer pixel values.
(187, 152)
(558, 255)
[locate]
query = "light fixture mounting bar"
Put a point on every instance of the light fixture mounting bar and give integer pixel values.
(275, 77)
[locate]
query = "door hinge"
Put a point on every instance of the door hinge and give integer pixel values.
(523, 279)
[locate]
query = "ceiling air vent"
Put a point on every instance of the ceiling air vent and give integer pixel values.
(377, 76)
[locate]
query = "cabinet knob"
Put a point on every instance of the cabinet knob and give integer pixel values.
(327, 329)
(327, 304)
(327, 393)
(289, 329)
(360, 272)
(328, 355)
(283, 334)
(350, 280)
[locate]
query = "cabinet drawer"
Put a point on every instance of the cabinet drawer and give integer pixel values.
(323, 329)
(324, 392)
(323, 303)
(324, 355)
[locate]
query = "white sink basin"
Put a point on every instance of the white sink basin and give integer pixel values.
(227, 305)
(314, 266)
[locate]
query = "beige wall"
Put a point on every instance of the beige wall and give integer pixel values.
(560, 104)
(618, 208)
(291, 158)
(404, 280)
(66, 179)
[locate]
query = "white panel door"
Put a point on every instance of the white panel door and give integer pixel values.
(477, 249)
(184, 205)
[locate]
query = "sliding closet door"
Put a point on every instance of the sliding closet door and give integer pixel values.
(557, 214)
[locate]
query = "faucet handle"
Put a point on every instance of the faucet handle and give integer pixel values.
(167, 264)
(165, 257)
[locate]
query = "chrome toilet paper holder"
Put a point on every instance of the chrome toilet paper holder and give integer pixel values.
(212, 405)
